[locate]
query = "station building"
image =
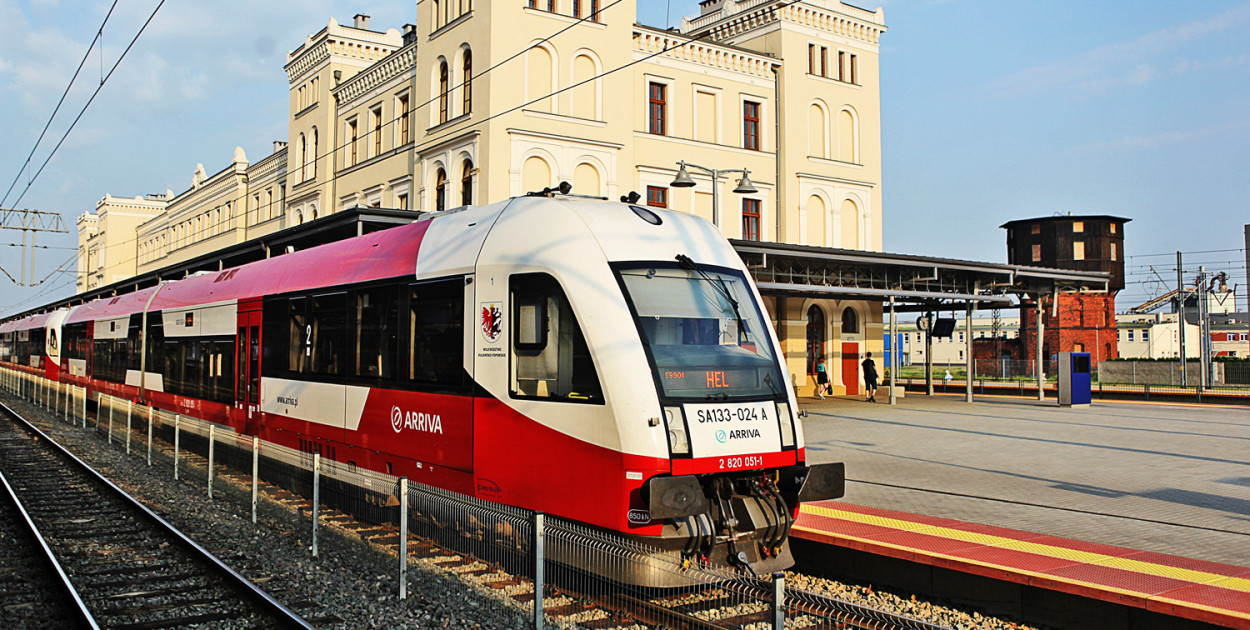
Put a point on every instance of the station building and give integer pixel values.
(773, 106)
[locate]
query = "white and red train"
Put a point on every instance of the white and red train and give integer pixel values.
(603, 362)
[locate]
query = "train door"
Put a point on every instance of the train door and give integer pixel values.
(247, 371)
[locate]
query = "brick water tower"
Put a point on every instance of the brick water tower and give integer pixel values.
(1082, 322)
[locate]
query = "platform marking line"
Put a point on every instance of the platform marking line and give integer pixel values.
(1086, 557)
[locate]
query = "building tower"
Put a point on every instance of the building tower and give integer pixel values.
(1078, 322)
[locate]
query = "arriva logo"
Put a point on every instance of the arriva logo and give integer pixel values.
(720, 436)
(413, 421)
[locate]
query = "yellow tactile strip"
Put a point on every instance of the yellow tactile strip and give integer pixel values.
(1077, 556)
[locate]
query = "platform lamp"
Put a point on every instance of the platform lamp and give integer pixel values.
(745, 187)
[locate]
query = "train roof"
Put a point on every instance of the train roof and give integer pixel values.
(384, 254)
(109, 308)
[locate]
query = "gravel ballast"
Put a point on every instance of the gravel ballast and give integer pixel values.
(353, 585)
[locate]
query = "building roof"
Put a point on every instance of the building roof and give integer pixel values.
(1068, 217)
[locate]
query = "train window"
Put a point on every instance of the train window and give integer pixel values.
(275, 357)
(328, 326)
(134, 345)
(300, 337)
(155, 343)
(704, 333)
(550, 357)
(377, 328)
(436, 328)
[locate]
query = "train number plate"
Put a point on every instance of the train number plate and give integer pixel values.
(733, 428)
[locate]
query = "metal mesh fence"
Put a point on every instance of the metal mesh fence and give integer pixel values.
(578, 575)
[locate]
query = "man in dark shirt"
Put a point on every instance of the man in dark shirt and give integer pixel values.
(870, 378)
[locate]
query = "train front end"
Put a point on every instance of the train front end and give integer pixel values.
(735, 442)
(679, 424)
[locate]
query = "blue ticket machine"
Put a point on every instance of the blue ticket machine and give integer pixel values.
(1074, 385)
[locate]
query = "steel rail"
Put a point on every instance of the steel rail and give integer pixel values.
(281, 614)
(81, 612)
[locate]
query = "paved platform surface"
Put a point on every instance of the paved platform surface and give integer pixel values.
(1170, 479)
(1171, 585)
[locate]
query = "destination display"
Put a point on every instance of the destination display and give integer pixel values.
(700, 382)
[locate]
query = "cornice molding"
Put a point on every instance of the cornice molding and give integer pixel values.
(394, 65)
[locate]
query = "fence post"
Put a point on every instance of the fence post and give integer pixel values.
(130, 409)
(97, 424)
(255, 473)
(779, 601)
(69, 400)
(149, 435)
(177, 437)
(539, 534)
(316, 498)
(211, 442)
(403, 538)
(84, 407)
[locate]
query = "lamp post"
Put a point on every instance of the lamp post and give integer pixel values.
(745, 187)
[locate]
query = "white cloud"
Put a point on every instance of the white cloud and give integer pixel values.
(1127, 63)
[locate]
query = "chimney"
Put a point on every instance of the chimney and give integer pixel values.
(410, 33)
(362, 21)
(278, 145)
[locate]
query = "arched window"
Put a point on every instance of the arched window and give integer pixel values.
(850, 225)
(535, 174)
(815, 337)
(585, 94)
(440, 191)
(816, 213)
(847, 141)
(586, 179)
(303, 157)
(313, 211)
(539, 65)
(313, 157)
(467, 82)
(442, 92)
(466, 184)
(816, 124)
(850, 321)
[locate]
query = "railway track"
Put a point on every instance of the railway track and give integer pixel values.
(128, 567)
(595, 604)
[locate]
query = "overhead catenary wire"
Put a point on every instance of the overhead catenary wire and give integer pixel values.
(211, 227)
(98, 36)
(103, 81)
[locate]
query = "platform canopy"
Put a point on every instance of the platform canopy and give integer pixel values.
(915, 282)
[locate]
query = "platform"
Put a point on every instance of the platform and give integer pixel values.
(1158, 493)
(1202, 591)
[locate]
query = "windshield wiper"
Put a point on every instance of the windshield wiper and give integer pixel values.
(718, 284)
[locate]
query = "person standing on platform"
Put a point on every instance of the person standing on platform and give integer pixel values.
(870, 378)
(822, 379)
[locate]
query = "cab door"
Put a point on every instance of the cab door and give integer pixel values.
(247, 371)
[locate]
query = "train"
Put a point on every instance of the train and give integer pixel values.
(604, 362)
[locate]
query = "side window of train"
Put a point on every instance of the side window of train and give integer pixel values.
(550, 358)
(376, 314)
(327, 333)
(156, 345)
(300, 336)
(275, 354)
(436, 333)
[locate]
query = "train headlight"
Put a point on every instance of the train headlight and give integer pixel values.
(787, 425)
(678, 441)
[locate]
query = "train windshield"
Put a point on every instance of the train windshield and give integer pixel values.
(704, 332)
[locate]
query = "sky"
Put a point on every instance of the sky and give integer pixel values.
(991, 111)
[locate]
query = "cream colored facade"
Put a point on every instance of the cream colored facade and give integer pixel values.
(480, 101)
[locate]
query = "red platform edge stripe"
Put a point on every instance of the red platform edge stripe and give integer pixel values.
(1188, 600)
